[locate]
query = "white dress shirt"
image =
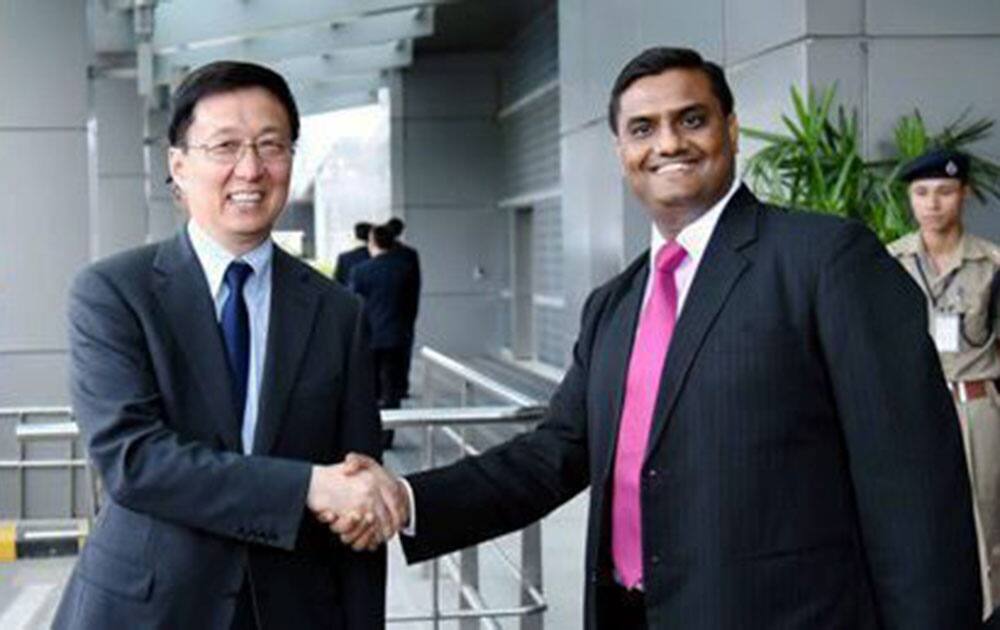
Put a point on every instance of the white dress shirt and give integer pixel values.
(214, 260)
(694, 239)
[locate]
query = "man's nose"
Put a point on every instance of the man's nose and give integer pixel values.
(248, 163)
(668, 141)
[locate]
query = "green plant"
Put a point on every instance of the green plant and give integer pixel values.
(817, 165)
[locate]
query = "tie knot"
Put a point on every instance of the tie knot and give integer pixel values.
(669, 257)
(236, 275)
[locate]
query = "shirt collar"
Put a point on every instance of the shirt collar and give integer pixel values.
(215, 258)
(695, 236)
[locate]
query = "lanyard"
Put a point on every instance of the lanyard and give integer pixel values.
(927, 285)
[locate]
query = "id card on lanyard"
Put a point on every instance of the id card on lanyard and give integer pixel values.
(946, 331)
(945, 326)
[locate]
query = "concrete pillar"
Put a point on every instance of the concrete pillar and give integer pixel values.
(451, 170)
(45, 205)
(164, 216)
(121, 217)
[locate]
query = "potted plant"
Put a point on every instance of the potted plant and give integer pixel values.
(818, 165)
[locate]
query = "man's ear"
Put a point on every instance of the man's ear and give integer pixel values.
(176, 163)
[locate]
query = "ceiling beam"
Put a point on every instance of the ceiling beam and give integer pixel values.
(307, 41)
(341, 85)
(349, 61)
(193, 22)
(320, 103)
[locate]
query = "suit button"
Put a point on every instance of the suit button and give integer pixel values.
(654, 559)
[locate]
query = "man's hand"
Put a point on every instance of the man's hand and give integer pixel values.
(361, 502)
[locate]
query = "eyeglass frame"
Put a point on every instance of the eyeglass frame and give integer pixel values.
(242, 150)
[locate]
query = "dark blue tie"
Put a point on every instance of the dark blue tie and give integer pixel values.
(236, 332)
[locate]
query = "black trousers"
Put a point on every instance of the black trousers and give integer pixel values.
(390, 376)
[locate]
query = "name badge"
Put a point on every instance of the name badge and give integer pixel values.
(946, 332)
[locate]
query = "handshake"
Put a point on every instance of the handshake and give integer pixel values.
(359, 500)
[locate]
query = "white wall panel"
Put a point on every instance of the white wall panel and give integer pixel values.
(451, 161)
(45, 239)
(753, 26)
(43, 64)
(121, 216)
(933, 17)
(118, 108)
(843, 17)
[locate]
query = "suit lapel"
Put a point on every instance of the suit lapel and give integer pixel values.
(294, 303)
(719, 269)
(184, 297)
(618, 349)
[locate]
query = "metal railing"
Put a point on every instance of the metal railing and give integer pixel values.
(64, 431)
(450, 422)
(453, 424)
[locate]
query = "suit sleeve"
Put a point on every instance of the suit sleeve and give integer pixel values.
(362, 574)
(902, 438)
(513, 484)
(144, 464)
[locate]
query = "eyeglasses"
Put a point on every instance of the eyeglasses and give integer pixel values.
(232, 151)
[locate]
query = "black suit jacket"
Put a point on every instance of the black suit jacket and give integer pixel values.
(347, 261)
(187, 517)
(804, 467)
(390, 290)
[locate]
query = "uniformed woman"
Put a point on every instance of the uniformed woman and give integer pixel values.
(958, 274)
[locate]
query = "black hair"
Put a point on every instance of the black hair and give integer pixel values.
(220, 77)
(396, 225)
(653, 61)
(361, 230)
(383, 236)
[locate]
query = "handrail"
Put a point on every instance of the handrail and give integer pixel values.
(448, 416)
(45, 431)
(477, 378)
(65, 431)
(391, 418)
(38, 410)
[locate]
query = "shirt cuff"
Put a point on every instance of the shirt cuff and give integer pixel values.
(411, 524)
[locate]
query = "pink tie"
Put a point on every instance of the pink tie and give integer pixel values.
(652, 338)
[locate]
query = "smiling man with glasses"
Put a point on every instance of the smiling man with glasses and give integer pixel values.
(218, 381)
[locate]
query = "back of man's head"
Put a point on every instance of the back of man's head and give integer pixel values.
(361, 230)
(396, 225)
(382, 237)
(658, 60)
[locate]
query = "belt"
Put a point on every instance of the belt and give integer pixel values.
(964, 391)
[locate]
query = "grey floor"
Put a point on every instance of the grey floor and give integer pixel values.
(30, 589)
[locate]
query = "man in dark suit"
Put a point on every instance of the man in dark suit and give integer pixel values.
(396, 226)
(353, 257)
(217, 380)
(385, 283)
(761, 419)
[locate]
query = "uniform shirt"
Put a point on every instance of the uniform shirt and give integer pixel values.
(214, 260)
(962, 289)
